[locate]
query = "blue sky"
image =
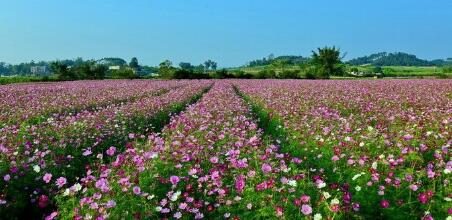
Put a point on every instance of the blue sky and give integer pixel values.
(230, 32)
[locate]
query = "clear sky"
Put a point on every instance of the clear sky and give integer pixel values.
(230, 32)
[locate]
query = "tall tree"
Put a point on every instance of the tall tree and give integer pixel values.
(327, 61)
(134, 63)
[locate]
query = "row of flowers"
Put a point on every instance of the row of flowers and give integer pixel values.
(211, 161)
(385, 145)
(35, 102)
(59, 149)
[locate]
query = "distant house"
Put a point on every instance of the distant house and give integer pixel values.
(114, 67)
(39, 70)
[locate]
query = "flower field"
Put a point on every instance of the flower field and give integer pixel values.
(226, 149)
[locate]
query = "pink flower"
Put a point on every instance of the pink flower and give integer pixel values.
(111, 151)
(214, 160)
(51, 216)
(174, 180)
(60, 182)
(240, 183)
(279, 211)
(87, 152)
(183, 205)
(335, 158)
(306, 209)
(266, 168)
(305, 198)
(47, 177)
(413, 187)
(43, 201)
(7, 177)
(177, 215)
(384, 204)
(136, 190)
(423, 198)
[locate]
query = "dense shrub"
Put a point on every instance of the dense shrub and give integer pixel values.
(123, 73)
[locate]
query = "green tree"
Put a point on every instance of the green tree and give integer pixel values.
(62, 71)
(166, 69)
(134, 63)
(327, 62)
(185, 66)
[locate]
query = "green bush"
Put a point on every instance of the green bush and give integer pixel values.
(447, 69)
(289, 74)
(123, 73)
(266, 74)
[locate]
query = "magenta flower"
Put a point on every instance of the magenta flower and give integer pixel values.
(240, 183)
(384, 204)
(60, 182)
(214, 159)
(47, 177)
(111, 151)
(306, 209)
(136, 190)
(423, 198)
(174, 180)
(266, 168)
(7, 177)
(51, 216)
(305, 198)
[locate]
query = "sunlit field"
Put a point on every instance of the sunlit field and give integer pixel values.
(234, 149)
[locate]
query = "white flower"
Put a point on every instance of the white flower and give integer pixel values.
(356, 176)
(158, 208)
(347, 138)
(292, 183)
(36, 168)
(77, 187)
(326, 195)
(361, 144)
(374, 165)
(334, 201)
(449, 217)
(150, 197)
(447, 171)
(358, 188)
(66, 192)
(317, 216)
(447, 199)
(175, 196)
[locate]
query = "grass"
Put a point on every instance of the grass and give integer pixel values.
(24, 79)
(389, 71)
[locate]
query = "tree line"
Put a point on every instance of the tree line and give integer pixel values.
(396, 59)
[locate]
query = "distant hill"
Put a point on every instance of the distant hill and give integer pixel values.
(396, 59)
(291, 60)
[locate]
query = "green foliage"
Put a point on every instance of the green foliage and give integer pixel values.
(210, 65)
(25, 79)
(189, 74)
(124, 73)
(243, 75)
(266, 74)
(113, 61)
(222, 74)
(447, 69)
(85, 70)
(395, 59)
(289, 60)
(166, 70)
(134, 63)
(326, 62)
(289, 74)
